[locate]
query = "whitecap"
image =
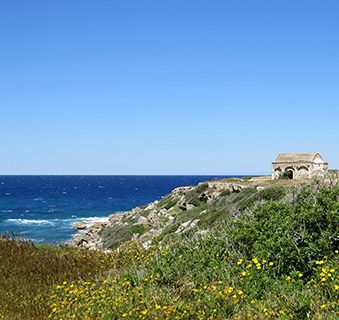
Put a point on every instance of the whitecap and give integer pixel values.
(93, 220)
(29, 221)
(6, 211)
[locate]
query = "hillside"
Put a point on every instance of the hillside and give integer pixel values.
(232, 249)
(190, 209)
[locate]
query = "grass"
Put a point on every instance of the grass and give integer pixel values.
(278, 260)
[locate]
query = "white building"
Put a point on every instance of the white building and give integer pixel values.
(299, 166)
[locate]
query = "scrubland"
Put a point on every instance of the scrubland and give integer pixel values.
(276, 259)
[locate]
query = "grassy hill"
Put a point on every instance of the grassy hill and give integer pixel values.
(222, 250)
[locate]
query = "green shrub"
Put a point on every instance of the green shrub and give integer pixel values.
(170, 203)
(225, 192)
(293, 234)
(193, 197)
(139, 228)
(271, 193)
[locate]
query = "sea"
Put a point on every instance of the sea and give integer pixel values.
(44, 208)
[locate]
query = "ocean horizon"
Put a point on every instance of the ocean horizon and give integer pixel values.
(43, 208)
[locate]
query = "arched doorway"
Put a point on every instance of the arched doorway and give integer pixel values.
(289, 174)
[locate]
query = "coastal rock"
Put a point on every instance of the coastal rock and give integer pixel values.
(161, 219)
(142, 220)
(187, 226)
(80, 225)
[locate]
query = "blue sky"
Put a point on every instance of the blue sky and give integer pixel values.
(166, 87)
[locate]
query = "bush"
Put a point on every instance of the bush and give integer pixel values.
(271, 193)
(293, 234)
(170, 203)
(193, 197)
(225, 192)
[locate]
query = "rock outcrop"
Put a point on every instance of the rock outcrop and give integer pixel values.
(185, 210)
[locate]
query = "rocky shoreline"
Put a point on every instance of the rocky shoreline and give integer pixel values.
(185, 209)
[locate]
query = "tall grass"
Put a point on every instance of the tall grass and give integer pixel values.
(29, 272)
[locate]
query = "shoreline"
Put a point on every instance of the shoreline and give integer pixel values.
(147, 222)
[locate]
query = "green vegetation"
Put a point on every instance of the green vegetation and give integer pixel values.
(276, 259)
(286, 175)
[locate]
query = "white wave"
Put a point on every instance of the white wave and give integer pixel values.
(92, 220)
(29, 221)
(6, 211)
(57, 222)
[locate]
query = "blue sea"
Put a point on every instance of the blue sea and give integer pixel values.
(43, 208)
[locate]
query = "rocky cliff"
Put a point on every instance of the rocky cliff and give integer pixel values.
(186, 210)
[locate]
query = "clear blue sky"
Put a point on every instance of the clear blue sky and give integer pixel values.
(166, 87)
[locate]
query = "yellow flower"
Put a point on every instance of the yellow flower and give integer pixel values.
(157, 307)
(244, 273)
(239, 261)
(288, 278)
(323, 306)
(124, 315)
(240, 292)
(144, 312)
(255, 260)
(270, 264)
(230, 290)
(300, 274)
(319, 262)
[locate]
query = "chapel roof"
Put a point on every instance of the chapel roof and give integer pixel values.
(297, 157)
